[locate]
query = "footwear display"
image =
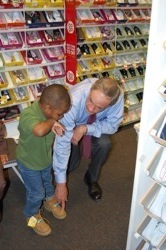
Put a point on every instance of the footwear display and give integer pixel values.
(33, 38)
(139, 96)
(18, 76)
(85, 49)
(124, 73)
(3, 113)
(53, 206)
(140, 70)
(12, 112)
(109, 16)
(105, 74)
(14, 19)
(132, 72)
(38, 224)
(32, 55)
(129, 32)
(32, 17)
(135, 44)
(20, 94)
(118, 60)
(137, 31)
(96, 75)
(126, 45)
(127, 60)
(107, 32)
(118, 32)
(118, 46)
(129, 15)
(94, 190)
(54, 16)
(143, 42)
(107, 48)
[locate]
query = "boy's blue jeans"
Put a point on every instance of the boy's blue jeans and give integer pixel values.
(38, 186)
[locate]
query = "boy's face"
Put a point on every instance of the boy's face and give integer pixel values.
(54, 113)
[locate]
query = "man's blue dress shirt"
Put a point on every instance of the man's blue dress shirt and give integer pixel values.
(107, 122)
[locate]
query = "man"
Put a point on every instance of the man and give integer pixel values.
(104, 98)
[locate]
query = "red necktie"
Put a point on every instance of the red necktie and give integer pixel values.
(87, 139)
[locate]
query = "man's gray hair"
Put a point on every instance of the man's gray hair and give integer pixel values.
(108, 87)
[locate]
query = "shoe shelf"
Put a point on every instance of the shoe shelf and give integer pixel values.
(154, 202)
(147, 225)
(146, 245)
(155, 169)
(153, 227)
(41, 19)
(112, 41)
(153, 232)
(32, 53)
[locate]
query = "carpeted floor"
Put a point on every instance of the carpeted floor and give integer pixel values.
(89, 225)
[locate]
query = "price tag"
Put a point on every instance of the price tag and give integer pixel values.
(32, 222)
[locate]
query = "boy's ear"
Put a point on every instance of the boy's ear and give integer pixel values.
(47, 107)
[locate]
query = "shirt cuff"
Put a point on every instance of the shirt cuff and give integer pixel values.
(90, 129)
(60, 177)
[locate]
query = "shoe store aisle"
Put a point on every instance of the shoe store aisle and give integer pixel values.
(89, 225)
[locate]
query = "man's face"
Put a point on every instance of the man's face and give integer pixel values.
(96, 102)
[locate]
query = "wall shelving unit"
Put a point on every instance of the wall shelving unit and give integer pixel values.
(110, 43)
(147, 226)
(32, 54)
(114, 46)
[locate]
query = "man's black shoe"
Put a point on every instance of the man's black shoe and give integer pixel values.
(94, 190)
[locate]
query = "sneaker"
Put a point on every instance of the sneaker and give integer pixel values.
(53, 206)
(38, 224)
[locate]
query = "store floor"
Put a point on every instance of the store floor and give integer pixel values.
(89, 225)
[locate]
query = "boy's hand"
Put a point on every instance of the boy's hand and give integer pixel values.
(4, 159)
(58, 128)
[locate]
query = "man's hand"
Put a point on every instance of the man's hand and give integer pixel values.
(78, 133)
(61, 193)
(58, 128)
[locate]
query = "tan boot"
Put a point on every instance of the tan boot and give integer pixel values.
(52, 206)
(37, 223)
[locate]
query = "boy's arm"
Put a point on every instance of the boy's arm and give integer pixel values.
(43, 128)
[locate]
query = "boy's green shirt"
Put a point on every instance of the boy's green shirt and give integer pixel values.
(33, 152)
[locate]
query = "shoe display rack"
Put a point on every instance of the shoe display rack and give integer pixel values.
(112, 41)
(147, 227)
(32, 52)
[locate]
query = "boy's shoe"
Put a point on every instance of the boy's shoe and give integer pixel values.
(52, 205)
(38, 224)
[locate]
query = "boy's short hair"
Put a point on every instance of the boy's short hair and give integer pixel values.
(56, 96)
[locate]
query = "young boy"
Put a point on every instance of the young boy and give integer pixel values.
(3, 160)
(34, 154)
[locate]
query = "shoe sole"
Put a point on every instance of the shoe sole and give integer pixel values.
(43, 234)
(57, 217)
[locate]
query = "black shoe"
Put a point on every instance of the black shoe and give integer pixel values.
(94, 190)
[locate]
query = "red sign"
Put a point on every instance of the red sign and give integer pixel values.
(71, 42)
